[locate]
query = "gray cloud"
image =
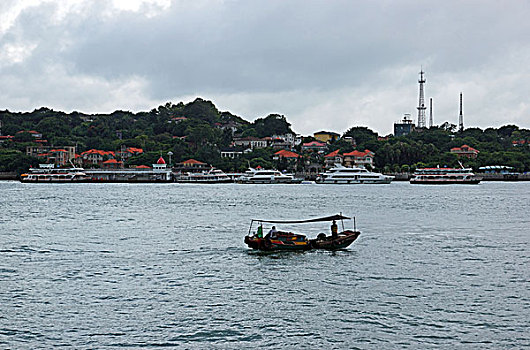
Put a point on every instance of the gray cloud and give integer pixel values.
(322, 64)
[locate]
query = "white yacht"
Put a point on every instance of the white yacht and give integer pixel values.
(212, 176)
(262, 176)
(356, 175)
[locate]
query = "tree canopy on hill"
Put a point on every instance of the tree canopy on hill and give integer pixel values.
(202, 131)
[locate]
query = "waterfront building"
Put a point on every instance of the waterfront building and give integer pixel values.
(333, 158)
(191, 165)
(61, 155)
(357, 158)
(128, 152)
(465, 151)
(112, 164)
(96, 157)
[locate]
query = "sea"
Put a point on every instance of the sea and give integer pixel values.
(106, 266)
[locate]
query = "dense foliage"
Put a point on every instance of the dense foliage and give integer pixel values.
(199, 130)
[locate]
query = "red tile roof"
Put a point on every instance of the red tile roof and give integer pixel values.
(100, 152)
(143, 167)
(355, 154)
(286, 154)
(135, 150)
(112, 161)
(192, 161)
(332, 154)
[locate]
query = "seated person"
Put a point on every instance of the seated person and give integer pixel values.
(272, 233)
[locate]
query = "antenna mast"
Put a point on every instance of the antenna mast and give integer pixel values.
(421, 103)
(461, 116)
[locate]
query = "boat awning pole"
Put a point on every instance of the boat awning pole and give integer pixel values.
(250, 228)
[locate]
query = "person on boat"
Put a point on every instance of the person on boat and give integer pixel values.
(334, 229)
(259, 233)
(272, 232)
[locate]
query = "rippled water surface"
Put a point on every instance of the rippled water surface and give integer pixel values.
(111, 265)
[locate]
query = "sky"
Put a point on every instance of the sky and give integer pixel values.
(325, 65)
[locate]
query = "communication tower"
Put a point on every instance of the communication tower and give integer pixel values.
(421, 103)
(461, 116)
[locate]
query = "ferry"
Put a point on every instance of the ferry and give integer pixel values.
(444, 176)
(48, 173)
(262, 176)
(213, 176)
(356, 175)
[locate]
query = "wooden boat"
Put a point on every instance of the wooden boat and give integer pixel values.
(280, 240)
(340, 241)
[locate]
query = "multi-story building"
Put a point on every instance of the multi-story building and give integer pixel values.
(252, 142)
(465, 151)
(96, 157)
(285, 154)
(61, 155)
(333, 158)
(357, 158)
(319, 147)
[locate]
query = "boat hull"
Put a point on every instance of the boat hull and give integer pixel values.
(288, 243)
(270, 181)
(445, 182)
(342, 241)
(204, 181)
(354, 182)
(293, 242)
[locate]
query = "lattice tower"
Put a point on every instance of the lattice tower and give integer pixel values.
(421, 103)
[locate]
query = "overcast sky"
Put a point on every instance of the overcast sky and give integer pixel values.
(324, 65)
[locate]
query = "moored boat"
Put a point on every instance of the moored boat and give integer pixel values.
(47, 173)
(444, 176)
(356, 175)
(213, 176)
(263, 176)
(280, 240)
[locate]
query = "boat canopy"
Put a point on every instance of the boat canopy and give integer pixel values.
(327, 218)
